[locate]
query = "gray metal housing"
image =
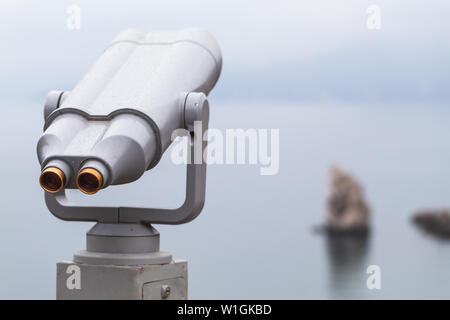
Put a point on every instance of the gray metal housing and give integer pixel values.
(120, 117)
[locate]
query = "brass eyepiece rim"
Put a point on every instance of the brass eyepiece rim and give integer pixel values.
(59, 173)
(93, 172)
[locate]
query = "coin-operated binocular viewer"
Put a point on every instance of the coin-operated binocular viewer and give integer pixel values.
(112, 127)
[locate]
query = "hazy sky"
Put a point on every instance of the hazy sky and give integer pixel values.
(283, 50)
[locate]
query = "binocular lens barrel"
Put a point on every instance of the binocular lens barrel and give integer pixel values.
(89, 180)
(52, 179)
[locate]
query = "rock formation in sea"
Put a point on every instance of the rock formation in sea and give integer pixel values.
(435, 222)
(347, 208)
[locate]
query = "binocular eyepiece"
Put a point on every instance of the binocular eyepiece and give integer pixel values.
(89, 180)
(53, 180)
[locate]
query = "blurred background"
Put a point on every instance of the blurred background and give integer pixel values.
(373, 100)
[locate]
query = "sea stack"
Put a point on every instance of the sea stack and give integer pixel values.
(347, 208)
(435, 222)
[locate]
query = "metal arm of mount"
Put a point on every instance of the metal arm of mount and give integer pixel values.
(196, 109)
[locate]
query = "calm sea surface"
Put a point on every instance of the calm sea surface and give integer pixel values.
(254, 238)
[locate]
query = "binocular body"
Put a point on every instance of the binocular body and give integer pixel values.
(118, 121)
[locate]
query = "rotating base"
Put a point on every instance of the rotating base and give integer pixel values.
(122, 244)
(122, 259)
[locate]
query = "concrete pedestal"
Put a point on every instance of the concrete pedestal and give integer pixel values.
(76, 280)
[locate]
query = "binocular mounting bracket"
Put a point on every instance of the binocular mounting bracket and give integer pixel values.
(196, 109)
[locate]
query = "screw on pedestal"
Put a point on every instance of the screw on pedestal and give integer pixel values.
(165, 291)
